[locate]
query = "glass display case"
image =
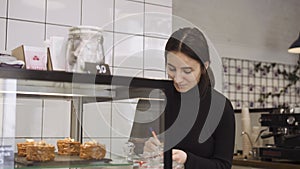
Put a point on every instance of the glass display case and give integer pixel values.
(83, 107)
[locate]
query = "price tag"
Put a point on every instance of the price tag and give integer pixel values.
(6, 156)
(97, 68)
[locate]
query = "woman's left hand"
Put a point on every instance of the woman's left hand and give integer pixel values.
(179, 156)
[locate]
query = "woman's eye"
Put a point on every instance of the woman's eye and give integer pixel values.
(187, 71)
(172, 69)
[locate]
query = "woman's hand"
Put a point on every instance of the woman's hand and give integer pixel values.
(152, 145)
(179, 156)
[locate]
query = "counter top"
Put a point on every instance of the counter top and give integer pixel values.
(237, 160)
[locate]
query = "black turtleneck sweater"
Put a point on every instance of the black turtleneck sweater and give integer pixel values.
(202, 126)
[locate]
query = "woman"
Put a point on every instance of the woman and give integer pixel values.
(203, 118)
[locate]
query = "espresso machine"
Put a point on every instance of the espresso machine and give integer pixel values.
(284, 127)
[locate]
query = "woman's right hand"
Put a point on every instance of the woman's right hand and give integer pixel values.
(152, 145)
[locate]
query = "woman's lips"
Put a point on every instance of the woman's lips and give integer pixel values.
(180, 85)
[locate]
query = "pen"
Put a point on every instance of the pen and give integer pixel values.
(154, 134)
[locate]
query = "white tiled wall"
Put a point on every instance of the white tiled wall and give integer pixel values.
(97, 120)
(2, 33)
(129, 17)
(35, 10)
(128, 51)
(164, 2)
(103, 9)
(59, 113)
(56, 30)
(158, 21)
(108, 47)
(128, 71)
(127, 25)
(154, 74)
(28, 33)
(29, 118)
(2, 8)
(133, 47)
(64, 12)
(153, 53)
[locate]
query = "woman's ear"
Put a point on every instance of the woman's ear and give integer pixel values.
(206, 64)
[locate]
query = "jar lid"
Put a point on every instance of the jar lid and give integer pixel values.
(85, 29)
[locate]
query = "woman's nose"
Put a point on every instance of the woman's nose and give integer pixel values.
(178, 77)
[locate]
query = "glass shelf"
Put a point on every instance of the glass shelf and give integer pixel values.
(111, 165)
(65, 84)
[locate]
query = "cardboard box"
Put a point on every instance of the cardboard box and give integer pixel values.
(37, 58)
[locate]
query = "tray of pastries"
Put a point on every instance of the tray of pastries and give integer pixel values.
(70, 152)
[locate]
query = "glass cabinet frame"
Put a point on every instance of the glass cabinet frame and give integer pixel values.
(81, 89)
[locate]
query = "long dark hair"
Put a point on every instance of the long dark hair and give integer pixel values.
(192, 43)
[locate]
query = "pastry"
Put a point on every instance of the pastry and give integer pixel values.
(68, 146)
(92, 150)
(40, 152)
(22, 147)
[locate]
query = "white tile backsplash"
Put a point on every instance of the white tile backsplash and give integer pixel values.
(154, 59)
(102, 9)
(97, 119)
(160, 2)
(2, 33)
(128, 72)
(129, 17)
(122, 119)
(108, 47)
(154, 53)
(27, 33)
(128, 51)
(158, 21)
(35, 10)
(29, 118)
(57, 118)
(154, 74)
(54, 30)
(65, 12)
(3, 5)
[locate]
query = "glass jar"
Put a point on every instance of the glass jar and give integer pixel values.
(84, 47)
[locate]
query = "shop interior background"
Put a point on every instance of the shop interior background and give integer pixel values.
(245, 29)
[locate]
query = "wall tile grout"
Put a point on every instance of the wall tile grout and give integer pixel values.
(46, 23)
(46, 10)
(144, 39)
(6, 26)
(81, 12)
(112, 71)
(149, 3)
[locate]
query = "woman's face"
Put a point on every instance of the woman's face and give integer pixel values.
(183, 70)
